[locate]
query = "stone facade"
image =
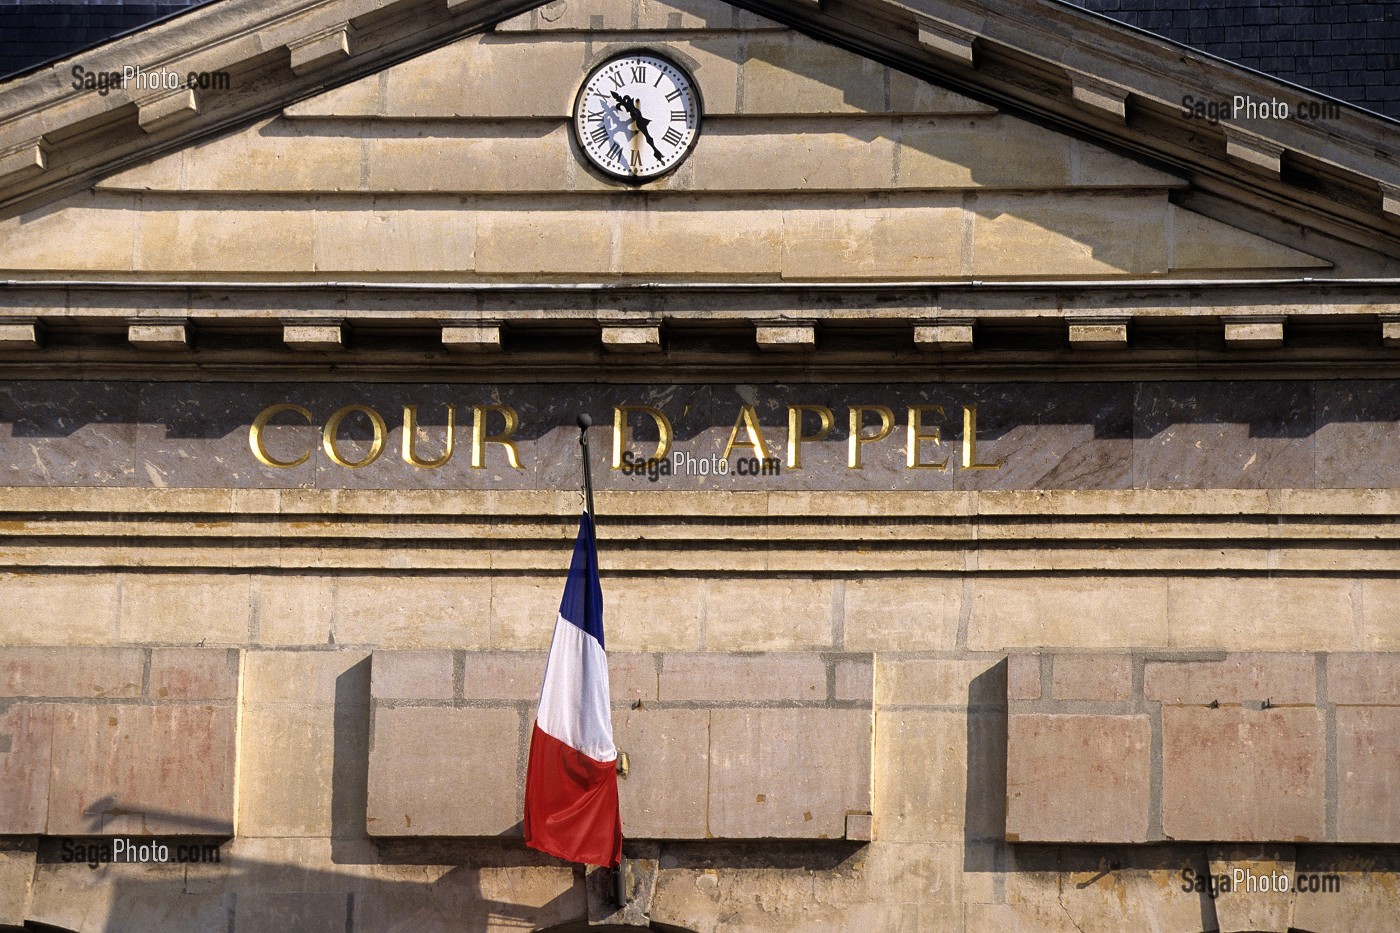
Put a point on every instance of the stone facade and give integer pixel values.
(1050, 583)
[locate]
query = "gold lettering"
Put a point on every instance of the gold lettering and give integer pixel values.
(480, 438)
(748, 419)
(620, 438)
(857, 439)
(969, 458)
(410, 436)
(795, 436)
(376, 447)
(255, 435)
(917, 435)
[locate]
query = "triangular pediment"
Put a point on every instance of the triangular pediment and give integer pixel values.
(814, 163)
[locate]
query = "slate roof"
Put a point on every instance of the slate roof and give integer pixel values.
(1348, 49)
(33, 33)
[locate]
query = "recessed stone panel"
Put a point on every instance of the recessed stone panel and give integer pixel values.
(437, 771)
(1242, 775)
(1078, 778)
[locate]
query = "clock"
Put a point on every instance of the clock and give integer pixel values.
(637, 116)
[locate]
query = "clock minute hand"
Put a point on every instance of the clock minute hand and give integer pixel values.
(641, 121)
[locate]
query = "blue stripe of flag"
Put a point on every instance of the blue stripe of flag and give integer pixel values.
(583, 594)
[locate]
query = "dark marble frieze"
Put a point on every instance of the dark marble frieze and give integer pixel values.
(1229, 435)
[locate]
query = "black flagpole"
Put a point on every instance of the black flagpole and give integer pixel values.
(584, 423)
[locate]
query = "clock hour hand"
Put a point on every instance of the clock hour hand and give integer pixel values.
(642, 122)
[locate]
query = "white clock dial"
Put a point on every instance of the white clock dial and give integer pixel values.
(637, 116)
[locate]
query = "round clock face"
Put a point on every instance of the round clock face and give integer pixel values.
(637, 116)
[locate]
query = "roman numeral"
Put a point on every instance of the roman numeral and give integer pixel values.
(636, 159)
(617, 79)
(615, 152)
(639, 74)
(678, 116)
(659, 76)
(596, 117)
(599, 135)
(671, 136)
(674, 94)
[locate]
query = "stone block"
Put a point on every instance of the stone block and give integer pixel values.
(1282, 679)
(1103, 677)
(17, 862)
(314, 336)
(1240, 775)
(225, 238)
(944, 335)
(26, 744)
(507, 79)
(782, 337)
(926, 681)
(293, 740)
(505, 675)
(632, 676)
(1067, 612)
(790, 73)
(855, 680)
(1368, 774)
(664, 795)
(1254, 873)
(297, 678)
(71, 672)
(472, 338)
(787, 773)
(413, 612)
(412, 675)
(1253, 335)
(878, 611)
(194, 674)
(405, 240)
(427, 763)
(856, 240)
(164, 336)
(645, 338)
(740, 613)
(544, 241)
(683, 239)
(293, 610)
(1245, 612)
(733, 156)
(647, 613)
(29, 241)
(921, 776)
(1198, 242)
(19, 335)
(166, 608)
(1364, 678)
(982, 152)
(1098, 336)
(1023, 235)
(1078, 779)
(142, 770)
(81, 605)
(725, 678)
(1023, 677)
(320, 912)
(320, 49)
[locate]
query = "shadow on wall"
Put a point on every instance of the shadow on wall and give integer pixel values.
(351, 882)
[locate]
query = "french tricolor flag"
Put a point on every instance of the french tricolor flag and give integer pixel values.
(571, 782)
